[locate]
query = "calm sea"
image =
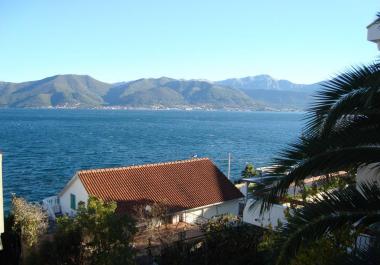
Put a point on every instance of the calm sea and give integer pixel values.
(42, 149)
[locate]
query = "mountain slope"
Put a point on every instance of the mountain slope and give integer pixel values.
(267, 82)
(69, 90)
(259, 92)
(174, 93)
(278, 94)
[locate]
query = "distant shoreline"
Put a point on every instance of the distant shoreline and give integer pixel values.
(123, 108)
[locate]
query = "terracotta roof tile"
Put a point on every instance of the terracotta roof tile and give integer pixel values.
(180, 185)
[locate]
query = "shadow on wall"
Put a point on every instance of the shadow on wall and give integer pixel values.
(270, 218)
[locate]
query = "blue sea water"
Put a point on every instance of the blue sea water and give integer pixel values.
(42, 149)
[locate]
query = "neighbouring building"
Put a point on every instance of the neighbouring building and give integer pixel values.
(192, 190)
(370, 173)
(373, 32)
(271, 218)
(276, 215)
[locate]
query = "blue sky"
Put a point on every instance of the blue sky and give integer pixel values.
(303, 41)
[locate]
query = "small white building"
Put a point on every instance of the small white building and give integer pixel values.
(373, 32)
(192, 190)
(277, 213)
(271, 218)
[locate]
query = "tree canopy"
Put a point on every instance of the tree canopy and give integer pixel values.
(97, 235)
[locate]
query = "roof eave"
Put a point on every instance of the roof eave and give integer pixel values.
(377, 21)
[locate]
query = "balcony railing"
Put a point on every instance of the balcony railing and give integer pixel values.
(52, 206)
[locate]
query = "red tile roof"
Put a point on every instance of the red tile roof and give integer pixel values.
(180, 185)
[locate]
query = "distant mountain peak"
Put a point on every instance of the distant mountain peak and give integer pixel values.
(272, 92)
(259, 77)
(264, 82)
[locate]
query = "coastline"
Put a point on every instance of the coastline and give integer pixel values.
(161, 108)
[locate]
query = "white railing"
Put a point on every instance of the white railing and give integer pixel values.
(52, 206)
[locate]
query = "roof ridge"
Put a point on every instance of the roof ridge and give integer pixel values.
(142, 165)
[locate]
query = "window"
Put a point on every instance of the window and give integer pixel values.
(72, 201)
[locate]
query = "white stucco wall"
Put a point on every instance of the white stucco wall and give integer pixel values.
(201, 214)
(194, 215)
(243, 187)
(271, 217)
(373, 33)
(75, 187)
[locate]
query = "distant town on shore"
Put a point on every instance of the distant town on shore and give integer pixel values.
(257, 93)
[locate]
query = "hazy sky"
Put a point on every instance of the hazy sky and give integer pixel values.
(303, 41)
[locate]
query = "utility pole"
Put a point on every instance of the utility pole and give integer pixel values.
(229, 166)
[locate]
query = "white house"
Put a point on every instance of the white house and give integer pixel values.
(277, 212)
(192, 190)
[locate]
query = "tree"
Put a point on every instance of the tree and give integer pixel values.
(107, 236)
(249, 171)
(341, 133)
(151, 216)
(226, 241)
(64, 248)
(29, 221)
(97, 235)
(326, 250)
(155, 214)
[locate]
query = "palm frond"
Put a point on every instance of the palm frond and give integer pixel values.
(369, 256)
(353, 207)
(318, 156)
(355, 143)
(364, 101)
(354, 79)
(328, 162)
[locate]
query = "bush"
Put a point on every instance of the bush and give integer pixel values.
(96, 236)
(226, 242)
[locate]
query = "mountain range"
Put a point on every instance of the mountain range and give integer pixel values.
(82, 91)
(276, 94)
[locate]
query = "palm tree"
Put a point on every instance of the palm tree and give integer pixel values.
(342, 132)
